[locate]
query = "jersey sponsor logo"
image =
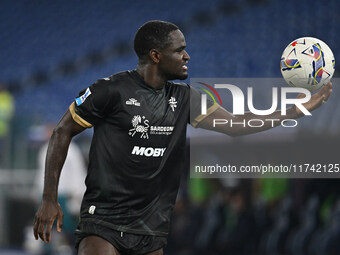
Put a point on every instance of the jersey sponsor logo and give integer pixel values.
(140, 126)
(81, 99)
(161, 130)
(132, 101)
(148, 151)
(173, 103)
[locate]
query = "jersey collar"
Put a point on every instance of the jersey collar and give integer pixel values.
(141, 81)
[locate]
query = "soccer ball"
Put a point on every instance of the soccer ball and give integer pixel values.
(307, 63)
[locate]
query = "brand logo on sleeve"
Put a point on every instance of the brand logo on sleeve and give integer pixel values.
(81, 99)
(148, 151)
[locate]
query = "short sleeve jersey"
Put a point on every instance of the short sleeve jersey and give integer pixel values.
(137, 150)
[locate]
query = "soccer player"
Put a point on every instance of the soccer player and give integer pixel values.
(139, 121)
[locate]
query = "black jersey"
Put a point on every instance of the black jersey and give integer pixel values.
(137, 151)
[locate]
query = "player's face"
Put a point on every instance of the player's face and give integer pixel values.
(174, 58)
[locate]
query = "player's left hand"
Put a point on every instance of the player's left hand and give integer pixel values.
(317, 99)
(47, 213)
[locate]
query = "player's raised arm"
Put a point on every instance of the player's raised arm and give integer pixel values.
(318, 98)
(50, 209)
(217, 120)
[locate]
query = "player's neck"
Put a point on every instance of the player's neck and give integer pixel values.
(151, 76)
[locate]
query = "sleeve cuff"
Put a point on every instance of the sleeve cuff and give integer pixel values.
(199, 118)
(77, 118)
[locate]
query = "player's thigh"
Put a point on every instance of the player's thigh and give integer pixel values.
(158, 252)
(95, 245)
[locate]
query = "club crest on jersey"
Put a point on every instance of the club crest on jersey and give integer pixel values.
(173, 103)
(81, 99)
(140, 126)
(132, 101)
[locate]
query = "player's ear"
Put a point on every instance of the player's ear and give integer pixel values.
(155, 55)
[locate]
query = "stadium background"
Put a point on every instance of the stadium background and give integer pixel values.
(50, 50)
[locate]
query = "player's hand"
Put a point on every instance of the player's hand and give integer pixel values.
(44, 219)
(317, 99)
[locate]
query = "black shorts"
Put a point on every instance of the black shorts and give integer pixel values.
(125, 243)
